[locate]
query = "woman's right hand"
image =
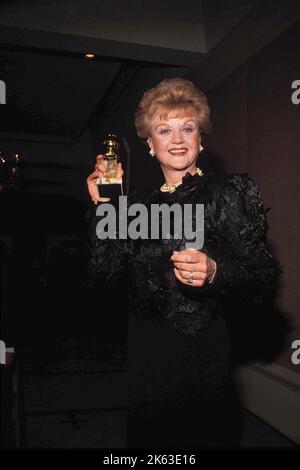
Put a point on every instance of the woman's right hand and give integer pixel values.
(99, 173)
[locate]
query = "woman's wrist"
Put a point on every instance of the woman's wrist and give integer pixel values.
(211, 271)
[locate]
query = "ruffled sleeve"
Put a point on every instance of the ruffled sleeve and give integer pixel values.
(245, 267)
(107, 259)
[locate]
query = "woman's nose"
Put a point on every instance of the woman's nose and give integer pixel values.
(177, 137)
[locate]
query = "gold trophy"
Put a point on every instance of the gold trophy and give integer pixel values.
(110, 185)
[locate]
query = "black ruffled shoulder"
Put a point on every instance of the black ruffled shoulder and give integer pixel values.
(246, 264)
(241, 196)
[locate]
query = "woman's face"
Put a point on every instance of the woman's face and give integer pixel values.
(175, 141)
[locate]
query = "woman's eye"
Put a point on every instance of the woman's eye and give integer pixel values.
(164, 131)
(188, 129)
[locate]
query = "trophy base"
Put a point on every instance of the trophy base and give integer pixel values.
(110, 190)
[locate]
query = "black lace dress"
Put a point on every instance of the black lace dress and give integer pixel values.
(181, 391)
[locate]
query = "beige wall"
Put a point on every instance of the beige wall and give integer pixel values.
(256, 130)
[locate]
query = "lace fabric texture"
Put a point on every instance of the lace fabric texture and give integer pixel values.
(234, 236)
(181, 392)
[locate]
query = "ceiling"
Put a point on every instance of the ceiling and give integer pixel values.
(53, 92)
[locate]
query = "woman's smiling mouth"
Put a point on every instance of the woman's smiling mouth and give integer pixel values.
(180, 151)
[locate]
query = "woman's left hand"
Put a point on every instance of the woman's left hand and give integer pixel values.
(193, 268)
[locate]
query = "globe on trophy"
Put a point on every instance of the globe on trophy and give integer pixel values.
(110, 185)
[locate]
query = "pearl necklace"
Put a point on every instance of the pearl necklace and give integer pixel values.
(172, 187)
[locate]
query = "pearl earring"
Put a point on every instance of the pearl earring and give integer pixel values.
(200, 148)
(151, 151)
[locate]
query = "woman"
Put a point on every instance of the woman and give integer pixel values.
(181, 391)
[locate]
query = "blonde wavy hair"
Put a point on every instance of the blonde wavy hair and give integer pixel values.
(175, 94)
